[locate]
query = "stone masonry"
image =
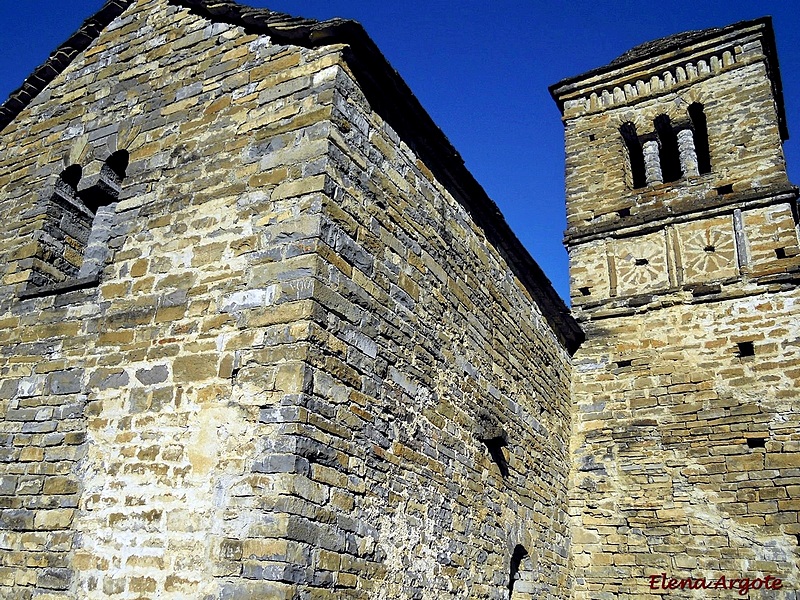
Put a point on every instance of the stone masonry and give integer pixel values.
(263, 336)
(310, 361)
(686, 433)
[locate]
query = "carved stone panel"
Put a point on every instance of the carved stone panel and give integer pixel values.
(707, 250)
(771, 239)
(641, 264)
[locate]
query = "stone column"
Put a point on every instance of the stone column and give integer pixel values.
(652, 162)
(688, 154)
(94, 257)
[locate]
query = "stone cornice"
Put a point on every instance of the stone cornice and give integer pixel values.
(671, 64)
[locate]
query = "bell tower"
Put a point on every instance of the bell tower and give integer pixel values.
(685, 276)
(675, 176)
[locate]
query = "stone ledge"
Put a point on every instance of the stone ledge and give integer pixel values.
(658, 218)
(59, 288)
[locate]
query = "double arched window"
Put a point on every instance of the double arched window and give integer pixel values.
(73, 240)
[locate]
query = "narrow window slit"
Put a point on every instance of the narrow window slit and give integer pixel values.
(639, 262)
(669, 154)
(495, 447)
(756, 442)
(635, 155)
(710, 248)
(701, 146)
(490, 433)
(621, 364)
(516, 560)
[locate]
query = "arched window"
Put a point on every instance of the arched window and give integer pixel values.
(73, 242)
(635, 154)
(64, 231)
(71, 177)
(700, 126)
(668, 153)
(106, 189)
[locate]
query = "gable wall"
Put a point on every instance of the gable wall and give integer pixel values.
(136, 455)
(276, 387)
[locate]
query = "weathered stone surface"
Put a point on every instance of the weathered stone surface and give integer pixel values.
(685, 391)
(312, 362)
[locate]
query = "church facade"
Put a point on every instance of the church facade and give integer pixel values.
(264, 336)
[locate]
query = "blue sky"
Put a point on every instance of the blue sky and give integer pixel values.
(481, 69)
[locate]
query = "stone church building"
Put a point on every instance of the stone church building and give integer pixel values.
(263, 336)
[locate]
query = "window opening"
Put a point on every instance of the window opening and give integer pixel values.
(635, 154)
(669, 154)
(64, 232)
(745, 349)
(73, 239)
(102, 198)
(517, 556)
(756, 442)
(495, 447)
(700, 126)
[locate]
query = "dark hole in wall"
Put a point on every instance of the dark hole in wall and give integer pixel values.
(516, 559)
(756, 442)
(797, 537)
(701, 147)
(624, 212)
(118, 162)
(495, 447)
(668, 154)
(710, 248)
(591, 137)
(641, 262)
(635, 154)
(780, 252)
(72, 176)
(745, 349)
(623, 363)
(585, 291)
(725, 189)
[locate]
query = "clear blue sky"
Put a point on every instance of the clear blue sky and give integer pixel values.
(481, 69)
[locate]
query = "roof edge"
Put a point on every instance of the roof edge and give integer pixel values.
(59, 59)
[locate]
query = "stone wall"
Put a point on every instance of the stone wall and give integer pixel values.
(686, 448)
(304, 369)
(136, 455)
(442, 349)
(686, 445)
